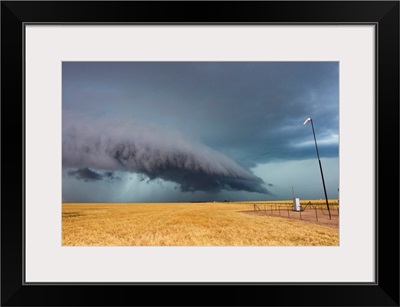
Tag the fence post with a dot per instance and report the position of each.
(316, 213)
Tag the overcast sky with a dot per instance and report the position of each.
(198, 131)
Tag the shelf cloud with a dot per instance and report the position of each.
(92, 147)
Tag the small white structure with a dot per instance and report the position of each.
(296, 204)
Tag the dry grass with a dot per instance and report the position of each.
(190, 224)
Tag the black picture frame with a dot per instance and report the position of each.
(383, 14)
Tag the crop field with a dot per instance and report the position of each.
(187, 224)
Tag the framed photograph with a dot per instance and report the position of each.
(240, 147)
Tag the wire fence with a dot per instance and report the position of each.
(309, 211)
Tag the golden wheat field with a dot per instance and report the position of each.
(185, 224)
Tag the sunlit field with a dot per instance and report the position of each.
(186, 224)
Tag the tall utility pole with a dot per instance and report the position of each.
(320, 167)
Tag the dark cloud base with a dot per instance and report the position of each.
(94, 151)
(88, 175)
(190, 181)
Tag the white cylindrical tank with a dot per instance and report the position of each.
(296, 204)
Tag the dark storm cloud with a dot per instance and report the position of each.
(87, 174)
(110, 177)
(115, 145)
(253, 111)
